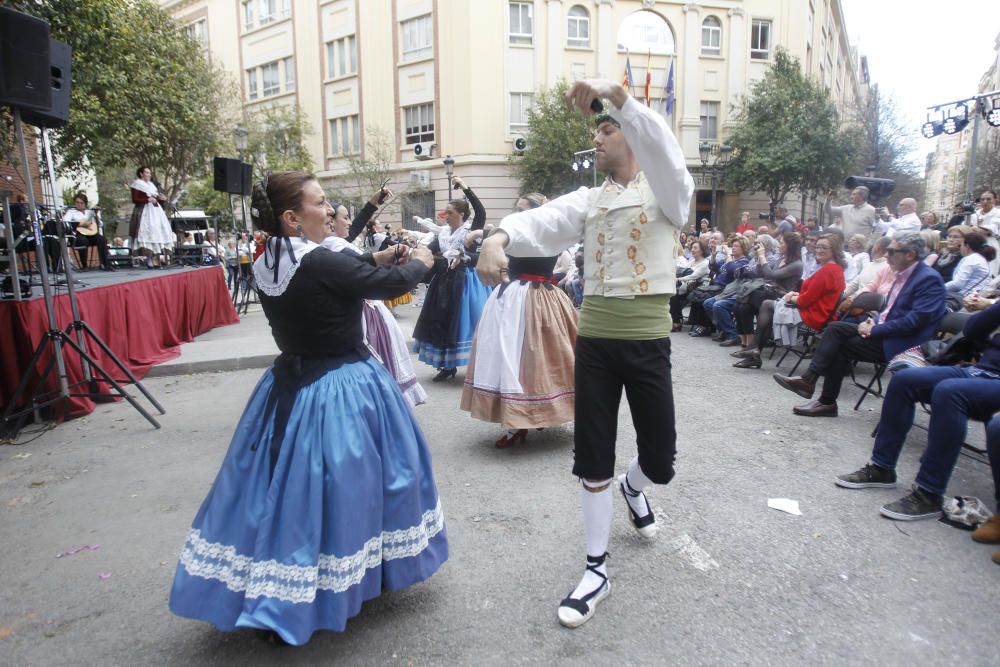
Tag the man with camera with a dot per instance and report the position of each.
(858, 217)
(914, 306)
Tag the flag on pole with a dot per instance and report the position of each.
(649, 77)
(627, 82)
(670, 89)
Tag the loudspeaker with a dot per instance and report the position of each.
(60, 81)
(24, 61)
(227, 175)
(247, 173)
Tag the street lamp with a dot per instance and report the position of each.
(240, 135)
(723, 155)
(449, 170)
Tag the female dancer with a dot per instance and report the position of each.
(381, 332)
(326, 496)
(149, 228)
(455, 297)
(521, 367)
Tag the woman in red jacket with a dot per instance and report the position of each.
(820, 293)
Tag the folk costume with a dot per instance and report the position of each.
(454, 302)
(521, 368)
(149, 227)
(630, 232)
(383, 336)
(326, 496)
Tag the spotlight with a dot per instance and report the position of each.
(586, 163)
(931, 129)
(993, 115)
(575, 166)
(954, 125)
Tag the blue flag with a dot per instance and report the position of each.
(670, 89)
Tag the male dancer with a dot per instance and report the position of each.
(630, 226)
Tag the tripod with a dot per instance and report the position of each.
(60, 341)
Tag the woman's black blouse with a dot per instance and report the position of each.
(319, 314)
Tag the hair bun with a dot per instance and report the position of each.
(260, 209)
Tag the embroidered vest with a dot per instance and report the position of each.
(629, 243)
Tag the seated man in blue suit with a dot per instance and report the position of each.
(913, 308)
(955, 394)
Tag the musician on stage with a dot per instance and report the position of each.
(87, 231)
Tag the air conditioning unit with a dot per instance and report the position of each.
(420, 178)
(422, 151)
(520, 144)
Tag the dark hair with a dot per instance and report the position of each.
(793, 247)
(976, 242)
(273, 196)
(83, 196)
(837, 247)
(138, 172)
(462, 207)
(704, 247)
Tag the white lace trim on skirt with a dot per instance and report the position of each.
(299, 583)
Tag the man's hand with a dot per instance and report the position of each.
(421, 255)
(457, 182)
(385, 257)
(584, 92)
(492, 265)
(865, 328)
(974, 302)
(845, 305)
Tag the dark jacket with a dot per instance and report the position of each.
(980, 327)
(915, 314)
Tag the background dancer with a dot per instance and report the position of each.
(455, 297)
(630, 225)
(521, 367)
(326, 496)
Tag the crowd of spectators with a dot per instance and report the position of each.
(869, 288)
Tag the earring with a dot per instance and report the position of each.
(298, 228)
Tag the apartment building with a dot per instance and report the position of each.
(457, 77)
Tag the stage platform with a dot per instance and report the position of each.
(143, 315)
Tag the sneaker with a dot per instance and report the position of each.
(919, 504)
(869, 477)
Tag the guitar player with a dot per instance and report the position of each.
(88, 233)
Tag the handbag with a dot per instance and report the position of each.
(747, 288)
(699, 294)
(956, 350)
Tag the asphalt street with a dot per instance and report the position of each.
(726, 581)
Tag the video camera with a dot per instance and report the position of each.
(878, 188)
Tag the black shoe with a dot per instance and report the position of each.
(745, 353)
(719, 337)
(444, 374)
(730, 342)
(574, 612)
(645, 526)
(869, 477)
(919, 504)
(753, 361)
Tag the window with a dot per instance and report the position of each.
(578, 27)
(345, 135)
(286, 8)
(760, 39)
(269, 73)
(520, 23)
(341, 57)
(267, 11)
(289, 74)
(419, 123)
(645, 32)
(252, 84)
(418, 38)
(420, 204)
(709, 121)
(520, 105)
(197, 31)
(248, 14)
(711, 37)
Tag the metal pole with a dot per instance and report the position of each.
(715, 223)
(43, 268)
(15, 278)
(971, 176)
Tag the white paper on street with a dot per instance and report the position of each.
(785, 505)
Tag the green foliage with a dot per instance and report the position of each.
(143, 93)
(554, 134)
(885, 145)
(788, 136)
(366, 172)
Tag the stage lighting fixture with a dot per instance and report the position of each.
(586, 163)
(993, 115)
(957, 121)
(575, 166)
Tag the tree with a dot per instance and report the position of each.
(554, 134)
(143, 93)
(885, 145)
(366, 172)
(788, 136)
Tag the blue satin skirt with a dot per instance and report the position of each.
(350, 509)
(458, 309)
